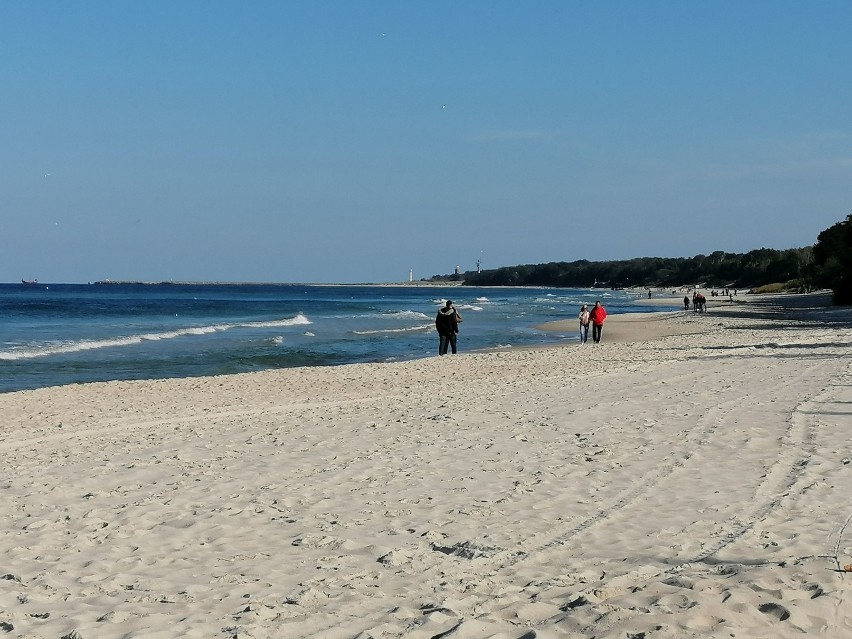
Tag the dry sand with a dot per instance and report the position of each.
(693, 485)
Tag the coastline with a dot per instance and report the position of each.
(644, 326)
(625, 328)
(694, 482)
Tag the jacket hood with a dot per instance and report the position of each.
(446, 311)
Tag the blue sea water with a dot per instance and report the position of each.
(70, 333)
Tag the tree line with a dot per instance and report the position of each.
(827, 264)
(832, 263)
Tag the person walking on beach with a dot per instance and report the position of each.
(584, 324)
(597, 316)
(447, 322)
(686, 302)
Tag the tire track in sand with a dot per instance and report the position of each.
(719, 417)
(796, 453)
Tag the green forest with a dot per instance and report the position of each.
(826, 264)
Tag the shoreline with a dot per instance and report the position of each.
(626, 328)
(645, 326)
(621, 327)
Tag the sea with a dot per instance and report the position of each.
(57, 334)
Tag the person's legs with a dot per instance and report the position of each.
(452, 338)
(442, 344)
(584, 333)
(596, 332)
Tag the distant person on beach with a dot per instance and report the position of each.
(447, 322)
(649, 293)
(686, 302)
(584, 324)
(597, 316)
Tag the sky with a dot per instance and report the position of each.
(341, 141)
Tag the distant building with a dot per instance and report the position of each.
(458, 270)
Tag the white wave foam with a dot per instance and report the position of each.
(406, 314)
(299, 320)
(550, 299)
(461, 306)
(72, 347)
(385, 315)
(409, 329)
(94, 344)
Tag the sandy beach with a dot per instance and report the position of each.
(688, 477)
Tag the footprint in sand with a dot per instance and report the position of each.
(774, 610)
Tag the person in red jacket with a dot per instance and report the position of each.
(597, 316)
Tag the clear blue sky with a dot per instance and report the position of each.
(352, 141)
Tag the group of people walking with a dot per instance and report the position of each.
(699, 302)
(594, 318)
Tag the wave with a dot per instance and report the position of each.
(299, 320)
(383, 315)
(406, 314)
(132, 340)
(464, 306)
(409, 329)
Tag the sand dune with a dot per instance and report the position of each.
(696, 485)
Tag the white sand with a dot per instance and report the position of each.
(691, 486)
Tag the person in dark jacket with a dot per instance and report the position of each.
(447, 322)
